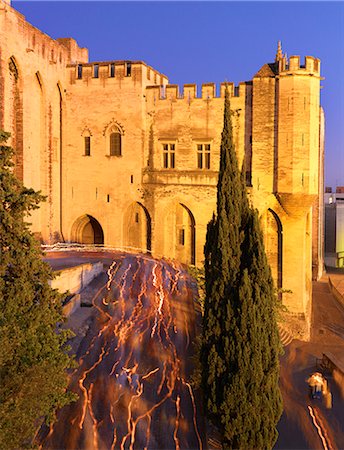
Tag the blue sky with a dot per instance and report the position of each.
(199, 42)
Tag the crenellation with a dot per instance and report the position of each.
(294, 63)
(310, 66)
(208, 90)
(172, 92)
(189, 91)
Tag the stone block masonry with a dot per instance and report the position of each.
(131, 161)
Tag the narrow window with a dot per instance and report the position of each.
(182, 236)
(96, 71)
(43, 50)
(148, 74)
(169, 156)
(207, 156)
(112, 70)
(165, 146)
(137, 217)
(128, 69)
(172, 156)
(203, 156)
(131, 179)
(200, 156)
(115, 144)
(108, 198)
(87, 145)
(79, 71)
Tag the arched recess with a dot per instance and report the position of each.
(114, 133)
(87, 230)
(137, 228)
(60, 150)
(274, 247)
(15, 104)
(34, 155)
(185, 235)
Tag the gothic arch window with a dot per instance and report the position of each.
(113, 133)
(115, 143)
(13, 68)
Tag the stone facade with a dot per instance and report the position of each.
(334, 227)
(129, 161)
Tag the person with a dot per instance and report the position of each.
(315, 383)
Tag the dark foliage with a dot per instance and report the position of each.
(33, 362)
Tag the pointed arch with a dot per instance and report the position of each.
(185, 234)
(15, 105)
(137, 228)
(274, 248)
(13, 67)
(87, 230)
(113, 133)
(60, 150)
(39, 80)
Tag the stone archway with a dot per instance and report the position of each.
(137, 228)
(185, 235)
(274, 248)
(87, 230)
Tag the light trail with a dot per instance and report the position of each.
(131, 379)
(175, 437)
(321, 429)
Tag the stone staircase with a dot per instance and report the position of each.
(285, 336)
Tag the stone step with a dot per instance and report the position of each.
(285, 336)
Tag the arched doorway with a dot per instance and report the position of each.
(274, 247)
(137, 229)
(185, 235)
(87, 230)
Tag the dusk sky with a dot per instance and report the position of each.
(199, 42)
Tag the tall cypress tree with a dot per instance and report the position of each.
(33, 362)
(240, 343)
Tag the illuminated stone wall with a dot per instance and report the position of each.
(130, 161)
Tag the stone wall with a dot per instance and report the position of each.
(156, 190)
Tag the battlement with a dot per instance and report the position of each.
(189, 91)
(311, 65)
(59, 51)
(119, 69)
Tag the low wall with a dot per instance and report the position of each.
(75, 279)
(335, 292)
(72, 304)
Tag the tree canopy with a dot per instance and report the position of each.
(33, 360)
(240, 341)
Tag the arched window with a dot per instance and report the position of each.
(86, 134)
(115, 144)
(113, 134)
